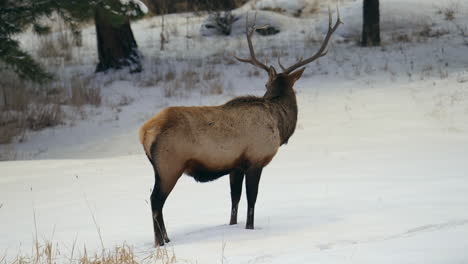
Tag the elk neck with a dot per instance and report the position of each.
(283, 107)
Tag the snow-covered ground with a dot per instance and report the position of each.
(376, 171)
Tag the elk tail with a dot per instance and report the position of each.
(147, 139)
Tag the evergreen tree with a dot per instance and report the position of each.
(15, 16)
(18, 15)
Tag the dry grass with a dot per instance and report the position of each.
(57, 47)
(43, 116)
(169, 76)
(190, 79)
(23, 107)
(50, 253)
(215, 87)
(172, 88)
(449, 11)
(422, 34)
(84, 91)
(253, 73)
(311, 8)
(38, 116)
(206, 81)
(14, 94)
(210, 74)
(26, 106)
(152, 80)
(9, 129)
(400, 37)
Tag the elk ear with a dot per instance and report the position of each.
(271, 72)
(296, 75)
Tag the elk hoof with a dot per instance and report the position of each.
(158, 240)
(249, 226)
(158, 244)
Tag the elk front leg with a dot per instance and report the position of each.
(236, 178)
(252, 178)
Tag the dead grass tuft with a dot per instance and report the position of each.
(55, 48)
(14, 94)
(169, 76)
(43, 116)
(26, 106)
(23, 107)
(172, 88)
(449, 10)
(215, 87)
(50, 253)
(422, 34)
(9, 129)
(84, 91)
(401, 37)
(210, 74)
(58, 45)
(254, 73)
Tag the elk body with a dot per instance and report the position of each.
(238, 138)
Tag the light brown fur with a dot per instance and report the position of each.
(150, 129)
(215, 137)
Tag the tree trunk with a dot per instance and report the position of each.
(371, 23)
(117, 47)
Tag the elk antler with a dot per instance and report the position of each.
(322, 50)
(253, 60)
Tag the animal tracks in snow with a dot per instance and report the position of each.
(430, 228)
(408, 233)
(337, 243)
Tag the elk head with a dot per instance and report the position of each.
(281, 83)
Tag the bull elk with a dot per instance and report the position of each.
(238, 138)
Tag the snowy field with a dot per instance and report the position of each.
(376, 172)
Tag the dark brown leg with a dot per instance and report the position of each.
(236, 178)
(163, 227)
(157, 203)
(252, 178)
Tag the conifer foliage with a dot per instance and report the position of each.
(19, 15)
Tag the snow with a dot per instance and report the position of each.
(291, 6)
(376, 171)
(143, 8)
(261, 18)
(397, 15)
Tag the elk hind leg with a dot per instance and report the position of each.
(162, 189)
(158, 198)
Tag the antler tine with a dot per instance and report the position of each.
(279, 63)
(323, 48)
(253, 60)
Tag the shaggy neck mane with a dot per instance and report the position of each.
(283, 108)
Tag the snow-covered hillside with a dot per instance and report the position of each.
(376, 171)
